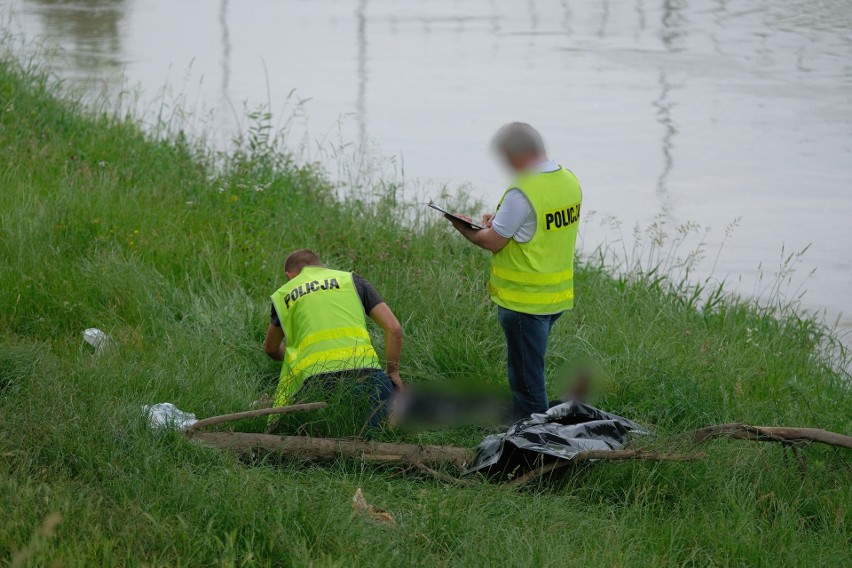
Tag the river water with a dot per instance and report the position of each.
(669, 111)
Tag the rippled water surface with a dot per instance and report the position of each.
(678, 111)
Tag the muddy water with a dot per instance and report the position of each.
(708, 112)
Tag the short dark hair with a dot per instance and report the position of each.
(298, 259)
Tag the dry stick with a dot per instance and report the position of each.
(771, 434)
(306, 447)
(443, 476)
(603, 455)
(798, 455)
(253, 413)
(538, 472)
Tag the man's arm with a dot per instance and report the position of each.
(382, 315)
(273, 344)
(487, 238)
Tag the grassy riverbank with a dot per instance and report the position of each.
(101, 226)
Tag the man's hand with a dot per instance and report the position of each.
(382, 315)
(458, 219)
(273, 343)
(487, 238)
(467, 218)
(398, 385)
(486, 219)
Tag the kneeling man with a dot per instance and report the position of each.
(318, 329)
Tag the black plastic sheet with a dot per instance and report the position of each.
(560, 434)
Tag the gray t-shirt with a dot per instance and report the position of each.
(370, 298)
(516, 217)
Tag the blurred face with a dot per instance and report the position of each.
(518, 163)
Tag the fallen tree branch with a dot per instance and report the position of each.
(422, 456)
(771, 434)
(253, 413)
(603, 455)
(305, 447)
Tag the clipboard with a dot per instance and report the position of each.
(470, 224)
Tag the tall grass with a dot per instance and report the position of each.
(174, 250)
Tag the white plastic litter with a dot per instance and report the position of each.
(97, 339)
(167, 415)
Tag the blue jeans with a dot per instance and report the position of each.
(526, 342)
(379, 389)
(371, 385)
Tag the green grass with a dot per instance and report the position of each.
(174, 251)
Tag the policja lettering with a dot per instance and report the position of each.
(308, 287)
(562, 218)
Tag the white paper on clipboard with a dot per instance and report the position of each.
(453, 215)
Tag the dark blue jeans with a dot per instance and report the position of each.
(526, 342)
(372, 386)
(379, 390)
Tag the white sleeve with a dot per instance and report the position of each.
(512, 215)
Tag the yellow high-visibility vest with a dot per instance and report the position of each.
(537, 277)
(326, 330)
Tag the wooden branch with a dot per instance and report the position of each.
(305, 447)
(538, 472)
(251, 414)
(771, 434)
(636, 455)
(603, 455)
(422, 456)
(443, 476)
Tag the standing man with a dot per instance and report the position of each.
(532, 236)
(319, 331)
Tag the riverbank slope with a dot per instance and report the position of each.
(175, 254)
